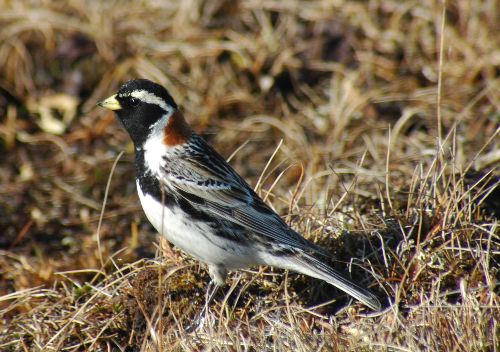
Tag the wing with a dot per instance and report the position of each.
(202, 177)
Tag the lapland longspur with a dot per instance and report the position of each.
(200, 204)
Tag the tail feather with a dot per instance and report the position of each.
(308, 265)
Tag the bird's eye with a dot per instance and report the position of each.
(134, 101)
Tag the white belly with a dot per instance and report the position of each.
(189, 236)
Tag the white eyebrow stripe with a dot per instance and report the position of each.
(150, 98)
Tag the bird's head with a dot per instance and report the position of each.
(141, 105)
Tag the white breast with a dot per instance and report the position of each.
(154, 149)
(195, 237)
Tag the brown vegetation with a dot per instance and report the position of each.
(372, 126)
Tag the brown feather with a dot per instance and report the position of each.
(177, 130)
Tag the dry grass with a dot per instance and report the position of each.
(388, 113)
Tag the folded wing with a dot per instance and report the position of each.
(203, 177)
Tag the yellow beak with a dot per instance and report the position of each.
(110, 103)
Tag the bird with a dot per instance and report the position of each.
(200, 204)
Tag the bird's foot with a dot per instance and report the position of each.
(205, 317)
(169, 252)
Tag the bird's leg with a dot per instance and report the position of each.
(217, 278)
(168, 251)
(209, 296)
(201, 318)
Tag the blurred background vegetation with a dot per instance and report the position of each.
(378, 122)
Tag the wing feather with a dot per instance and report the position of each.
(201, 176)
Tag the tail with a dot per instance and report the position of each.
(311, 266)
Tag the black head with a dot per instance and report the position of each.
(139, 104)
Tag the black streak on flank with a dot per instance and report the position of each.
(151, 185)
